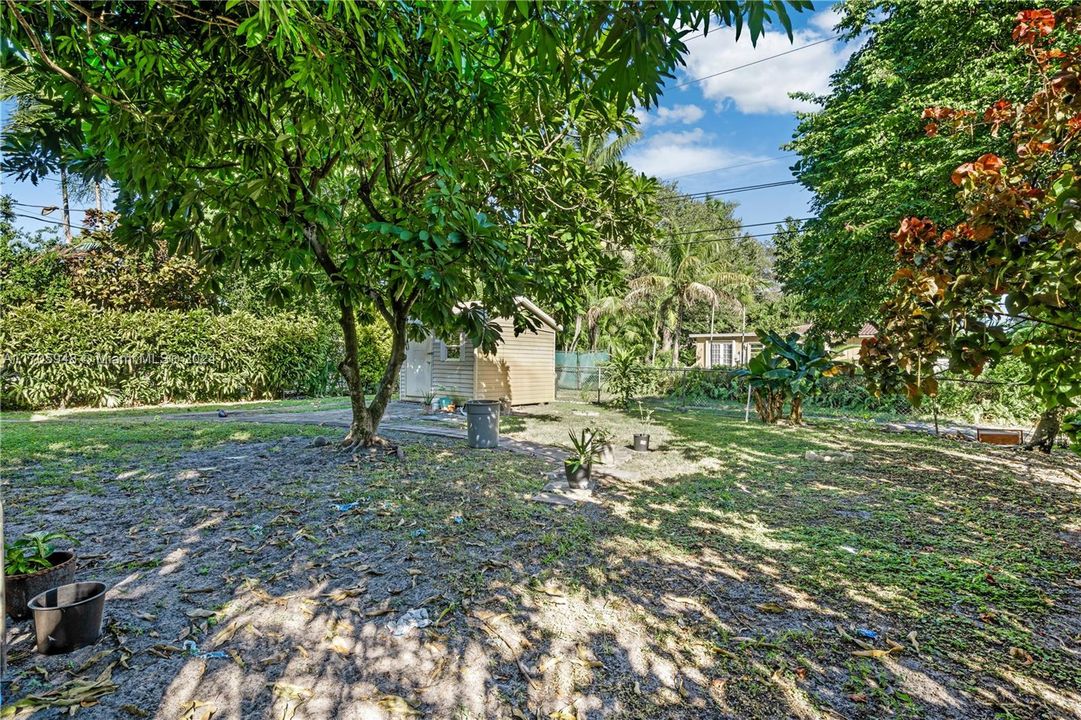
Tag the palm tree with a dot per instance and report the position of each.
(41, 138)
(684, 275)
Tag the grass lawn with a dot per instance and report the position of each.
(721, 575)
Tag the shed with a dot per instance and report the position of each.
(522, 369)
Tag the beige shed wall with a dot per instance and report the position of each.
(523, 368)
(453, 376)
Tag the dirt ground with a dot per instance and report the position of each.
(254, 575)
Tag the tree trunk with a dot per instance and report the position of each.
(577, 332)
(64, 198)
(366, 418)
(769, 405)
(361, 428)
(97, 194)
(1043, 438)
(795, 415)
(676, 333)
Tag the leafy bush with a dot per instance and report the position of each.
(697, 385)
(74, 355)
(1011, 401)
(850, 392)
(625, 377)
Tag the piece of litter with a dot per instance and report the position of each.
(190, 648)
(865, 633)
(458, 519)
(346, 507)
(408, 621)
(848, 549)
(419, 532)
(829, 457)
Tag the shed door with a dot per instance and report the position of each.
(418, 368)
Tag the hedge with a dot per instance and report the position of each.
(72, 355)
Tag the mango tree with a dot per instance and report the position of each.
(406, 156)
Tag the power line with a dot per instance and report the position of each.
(729, 167)
(755, 62)
(713, 240)
(740, 226)
(61, 223)
(53, 207)
(733, 190)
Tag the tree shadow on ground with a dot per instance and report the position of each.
(723, 577)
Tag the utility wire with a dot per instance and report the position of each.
(54, 207)
(741, 226)
(728, 167)
(733, 190)
(755, 62)
(711, 240)
(61, 223)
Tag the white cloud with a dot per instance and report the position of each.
(673, 154)
(765, 87)
(825, 21)
(677, 114)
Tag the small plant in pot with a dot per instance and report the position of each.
(602, 446)
(33, 565)
(641, 440)
(579, 465)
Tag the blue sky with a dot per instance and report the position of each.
(740, 117)
(700, 128)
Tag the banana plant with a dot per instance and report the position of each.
(786, 371)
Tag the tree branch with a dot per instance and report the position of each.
(32, 36)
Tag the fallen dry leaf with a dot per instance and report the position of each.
(200, 614)
(1021, 655)
(396, 705)
(771, 607)
(197, 710)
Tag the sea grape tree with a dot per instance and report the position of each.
(1003, 278)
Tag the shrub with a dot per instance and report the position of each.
(625, 377)
(999, 395)
(697, 385)
(74, 355)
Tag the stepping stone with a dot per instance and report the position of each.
(557, 492)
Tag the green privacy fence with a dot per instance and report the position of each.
(579, 371)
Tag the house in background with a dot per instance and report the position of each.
(713, 350)
(735, 349)
(522, 369)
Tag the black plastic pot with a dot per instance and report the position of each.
(577, 475)
(641, 442)
(68, 617)
(18, 589)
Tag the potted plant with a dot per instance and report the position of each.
(602, 446)
(579, 465)
(31, 566)
(641, 440)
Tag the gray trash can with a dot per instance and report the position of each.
(482, 422)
